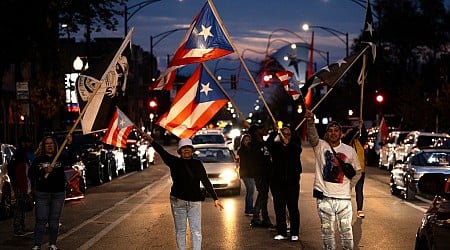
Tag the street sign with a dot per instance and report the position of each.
(22, 91)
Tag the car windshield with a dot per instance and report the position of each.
(426, 141)
(204, 139)
(431, 159)
(208, 155)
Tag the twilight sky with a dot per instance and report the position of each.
(250, 23)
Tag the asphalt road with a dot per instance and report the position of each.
(133, 212)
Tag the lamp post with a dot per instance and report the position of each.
(161, 36)
(137, 7)
(332, 31)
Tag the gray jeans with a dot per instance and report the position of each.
(183, 211)
(333, 210)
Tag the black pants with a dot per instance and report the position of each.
(286, 194)
(262, 186)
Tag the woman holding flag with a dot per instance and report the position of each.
(185, 194)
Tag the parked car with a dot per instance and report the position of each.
(387, 157)
(221, 166)
(136, 152)
(75, 180)
(417, 139)
(405, 175)
(434, 230)
(6, 193)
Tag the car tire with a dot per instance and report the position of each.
(393, 188)
(5, 203)
(407, 193)
(107, 171)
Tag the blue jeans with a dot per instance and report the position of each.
(250, 190)
(183, 211)
(359, 192)
(48, 210)
(331, 210)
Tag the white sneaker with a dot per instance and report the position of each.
(36, 248)
(279, 237)
(52, 247)
(294, 238)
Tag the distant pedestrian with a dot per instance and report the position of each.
(285, 181)
(49, 184)
(262, 163)
(357, 137)
(18, 172)
(185, 194)
(247, 172)
(332, 189)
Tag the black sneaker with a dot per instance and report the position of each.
(256, 223)
(267, 224)
(23, 233)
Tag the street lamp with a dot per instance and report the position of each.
(332, 31)
(138, 6)
(284, 30)
(153, 44)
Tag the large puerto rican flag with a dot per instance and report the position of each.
(194, 105)
(205, 40)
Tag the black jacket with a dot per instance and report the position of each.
(186, 184)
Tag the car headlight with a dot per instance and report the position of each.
(229, 175)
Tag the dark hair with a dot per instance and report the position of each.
(24, 138)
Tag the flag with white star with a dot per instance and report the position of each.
(119, 129)
(330, 75)
(195, 104)
(368, 30)
(205, 40)
(285, 78)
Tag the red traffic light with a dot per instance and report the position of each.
(379, 98)
(152, 104)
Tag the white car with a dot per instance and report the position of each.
(387, 151)
(221, 166)
(417, 139)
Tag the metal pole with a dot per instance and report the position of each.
(346, 44)
(126, 20)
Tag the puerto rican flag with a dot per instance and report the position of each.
(195, 104)
(285, 79)
(119, 129)
(205, 40)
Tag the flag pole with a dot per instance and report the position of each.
(363, 80)
(334, 84)
(226, 94)
(219, 20)
(91, 97)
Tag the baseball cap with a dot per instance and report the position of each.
(334, 124)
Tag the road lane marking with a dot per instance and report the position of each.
(160, 186)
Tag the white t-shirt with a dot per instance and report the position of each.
(329, 176)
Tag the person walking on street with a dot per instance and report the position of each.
(246, 172)
(332, 189)
(18, 172)
(185, 194)
(49, 184)
(262, 162)
(285, 181)
(357, 137)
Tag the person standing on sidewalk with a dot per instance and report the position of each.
(285, 181)
(246, 172)
(18, 172)
(49, 184)
(332, 189)
(357, 137)
(185, 194)
(262, 163)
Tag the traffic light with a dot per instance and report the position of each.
(266, 77)
(152, 104)
(233, 82)
(379, 98)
